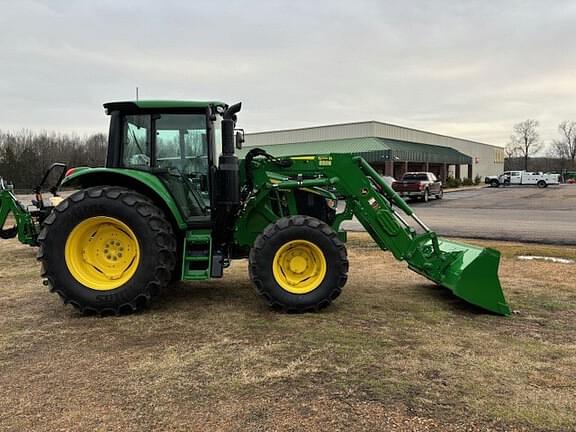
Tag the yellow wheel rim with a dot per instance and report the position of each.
(102, 253)
(299, 266)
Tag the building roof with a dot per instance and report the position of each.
(371, 149)
(361, 129)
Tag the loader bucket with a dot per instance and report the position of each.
(471, 273)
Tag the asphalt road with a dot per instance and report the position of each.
(518, 213)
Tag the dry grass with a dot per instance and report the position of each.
(393, 353)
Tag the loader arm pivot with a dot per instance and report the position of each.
(470, 272)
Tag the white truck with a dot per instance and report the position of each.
(508, 178)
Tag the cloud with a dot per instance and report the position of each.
(470, 69)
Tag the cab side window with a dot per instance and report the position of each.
(136, 137)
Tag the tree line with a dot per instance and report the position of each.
(540, 164)
(525, 142)
(25, 155)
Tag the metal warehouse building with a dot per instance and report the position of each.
(391, 149)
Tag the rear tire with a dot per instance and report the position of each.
(426, 196)
(440, 194)
(298, 264)
(541, 184)
(77, 264)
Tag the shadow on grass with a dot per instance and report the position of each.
(207, 293)
(443, 295)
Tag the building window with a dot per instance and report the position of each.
(499, 156)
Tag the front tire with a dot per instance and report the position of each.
(494, 183)
(298, 264)
(107, 250)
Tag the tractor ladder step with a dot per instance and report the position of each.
(197, 255)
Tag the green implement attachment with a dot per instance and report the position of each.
(25, 224)
(13, 212)
(470, 272)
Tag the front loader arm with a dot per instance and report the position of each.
(356, 183)
(470, 272)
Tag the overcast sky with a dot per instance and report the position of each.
(466, 68)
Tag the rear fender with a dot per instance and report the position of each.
(143, 182)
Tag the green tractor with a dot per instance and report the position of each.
(174, 202)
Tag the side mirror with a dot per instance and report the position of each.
(239, 138)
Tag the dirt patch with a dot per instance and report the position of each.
(392, 353)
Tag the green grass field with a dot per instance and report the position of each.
(392, 353)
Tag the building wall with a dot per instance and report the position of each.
(487, 159)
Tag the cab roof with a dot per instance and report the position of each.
(160, 104)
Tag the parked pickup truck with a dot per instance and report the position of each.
(419, 185)
(508, 178)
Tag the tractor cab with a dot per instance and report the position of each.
(178, 141)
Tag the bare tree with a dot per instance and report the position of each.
(511, 150)
(565, 148)
(526, 139)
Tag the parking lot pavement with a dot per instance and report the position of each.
(514, 213)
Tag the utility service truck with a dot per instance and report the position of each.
(509, 178)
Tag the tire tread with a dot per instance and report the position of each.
(277, 227)
(164, 237)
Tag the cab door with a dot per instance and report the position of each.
(515, 177)
(181, 155)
